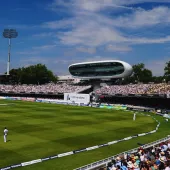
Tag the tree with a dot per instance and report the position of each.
(140, 74)
(146, 76)
(34, 74)
(137, 71)
(167, 71)
(157, 79)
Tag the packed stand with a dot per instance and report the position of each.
(47, 88)
(135, 89)
(155, 158)
(160, 89)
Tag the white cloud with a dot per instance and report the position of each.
(143, 18)
(95, 34)
(148, 40)
(90, 28)
(118, 48)
(59, 24)
(97, 5)
(45, 34)
(86, 50)
(129, 2)
(44, 47)
(91, 33)
(99, 58)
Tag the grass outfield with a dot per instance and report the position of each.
(39, 130)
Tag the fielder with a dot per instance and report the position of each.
(5, 134)
(134, 116)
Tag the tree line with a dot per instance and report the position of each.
(40, 74)
(144, 75)
(34, 74)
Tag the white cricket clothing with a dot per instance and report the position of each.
(134, 116)
(5, 132)
(5, 135)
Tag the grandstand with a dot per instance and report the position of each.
(135, 89)
(98, 80)
(67, 88)
(47, 88)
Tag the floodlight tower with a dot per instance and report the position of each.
(9, 33)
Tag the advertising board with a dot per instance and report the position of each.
(77, 98)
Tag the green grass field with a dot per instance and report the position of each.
(38, 130)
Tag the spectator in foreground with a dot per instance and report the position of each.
(154, 158)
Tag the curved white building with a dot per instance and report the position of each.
(107, 69)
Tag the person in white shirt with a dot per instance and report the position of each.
(142, 158)
(5, 134)
(165, 147)
(134, 116)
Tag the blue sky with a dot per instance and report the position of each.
(62, 32)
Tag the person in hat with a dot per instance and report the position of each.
(162, 157)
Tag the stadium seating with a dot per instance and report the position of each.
(157, 157)
(47, 88)
(135, 89)
(66, 88)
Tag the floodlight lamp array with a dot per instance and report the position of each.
(10, 33)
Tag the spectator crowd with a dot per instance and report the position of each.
(67, 88)
(47, 88)
(155, 158)
(135, 89)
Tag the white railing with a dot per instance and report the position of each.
(85, 88)
(104, 162)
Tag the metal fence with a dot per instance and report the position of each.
(104, 162)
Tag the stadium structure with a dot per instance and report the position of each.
(101, 73)
(73, 127)
(107, 69)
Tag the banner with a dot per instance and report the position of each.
(77, 98)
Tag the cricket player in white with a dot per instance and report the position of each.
(134, 116)
(5, 134)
